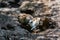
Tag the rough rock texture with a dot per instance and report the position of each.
(29, 19)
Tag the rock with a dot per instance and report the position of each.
(25, 38)
(2, 38)
(13, 4)
(43, 11)
(2, 33)
(8, 9)
(42, 38)
(19, 23)
(27, 5)
(35, 8)
(2, 4)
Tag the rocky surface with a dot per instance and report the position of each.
(29, 19)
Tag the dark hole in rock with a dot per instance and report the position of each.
(27, 11)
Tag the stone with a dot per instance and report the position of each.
(27, 5)
(2, 38)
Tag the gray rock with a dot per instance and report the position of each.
(2, 38)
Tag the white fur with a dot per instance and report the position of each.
(33, 23)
